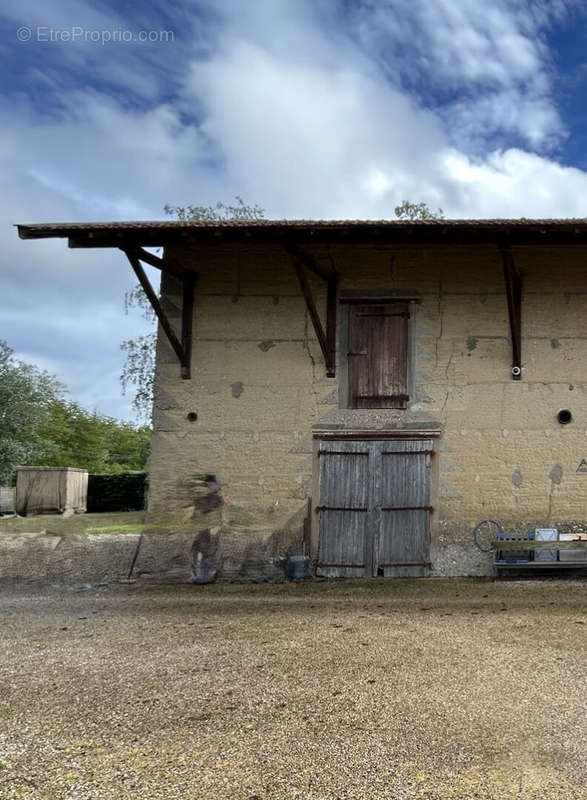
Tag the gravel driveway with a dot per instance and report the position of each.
(382, 689)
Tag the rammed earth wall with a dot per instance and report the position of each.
(259, 389)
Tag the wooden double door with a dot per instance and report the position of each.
(374, 508)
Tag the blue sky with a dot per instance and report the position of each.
(310, 108)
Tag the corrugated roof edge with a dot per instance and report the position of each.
(64, 228)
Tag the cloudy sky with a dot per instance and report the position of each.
(310, 108)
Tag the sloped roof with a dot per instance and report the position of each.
(160, 232)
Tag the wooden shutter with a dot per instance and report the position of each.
(377, 357)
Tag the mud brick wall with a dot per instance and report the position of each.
(259, 386)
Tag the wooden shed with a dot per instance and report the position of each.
(51, 490)
(7, 500)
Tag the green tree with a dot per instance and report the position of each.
(416, 211)
(138, 370)
(26, 396)
(75, 437)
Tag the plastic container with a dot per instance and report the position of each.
(297, 568)
(571, 555)
(546, 535)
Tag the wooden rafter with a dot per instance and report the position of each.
(332, 287)
(182, 348)
(165, 265)
(308, 261)
(187, 317)
(326, 340)
(513, 288)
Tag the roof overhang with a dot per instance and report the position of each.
(294, 236)
(445, 231)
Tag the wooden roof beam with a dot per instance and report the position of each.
(307, 260)
(159, 263)
(327, 341)
(182, 348)
(513, 288)
(447, 236)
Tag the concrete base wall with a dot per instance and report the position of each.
(259, 387)
(92, 558)
(240, 550)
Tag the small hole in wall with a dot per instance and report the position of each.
(564, 416)
(192, 416)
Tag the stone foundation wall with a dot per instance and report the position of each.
(83, 557)
(259, 387)
(241, 547)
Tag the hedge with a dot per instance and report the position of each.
(125, 491)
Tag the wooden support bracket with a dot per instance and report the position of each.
(183, 348)
(159, 263)
(187, 317)
(326, 340)
(513, 288)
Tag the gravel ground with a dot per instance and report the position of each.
(382, 689)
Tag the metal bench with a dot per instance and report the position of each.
(514, 551)
(532, 547)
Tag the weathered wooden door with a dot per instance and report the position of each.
(374, 508)
(344, 508)
(403, 467)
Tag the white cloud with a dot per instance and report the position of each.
(306, 141)
(492, 51)
(501, 115)
(517, 183)
(297, 109)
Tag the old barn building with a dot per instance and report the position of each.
(366, 390)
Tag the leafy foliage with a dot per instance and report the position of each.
(138, 370)
(39, 427)
(216, 213)
(75, 437)
(124, 491)
(417, 211)
(26, 396)
(136, 298)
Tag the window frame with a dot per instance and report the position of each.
(346, 302)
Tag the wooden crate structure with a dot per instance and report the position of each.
(51, 490)
(7, 500)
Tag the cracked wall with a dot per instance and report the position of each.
(259, 386)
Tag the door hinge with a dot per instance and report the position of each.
(407, 508)
(338, 508)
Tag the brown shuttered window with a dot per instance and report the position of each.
(377, 358)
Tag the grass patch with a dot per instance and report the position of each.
(123, 521)
(115, 529)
